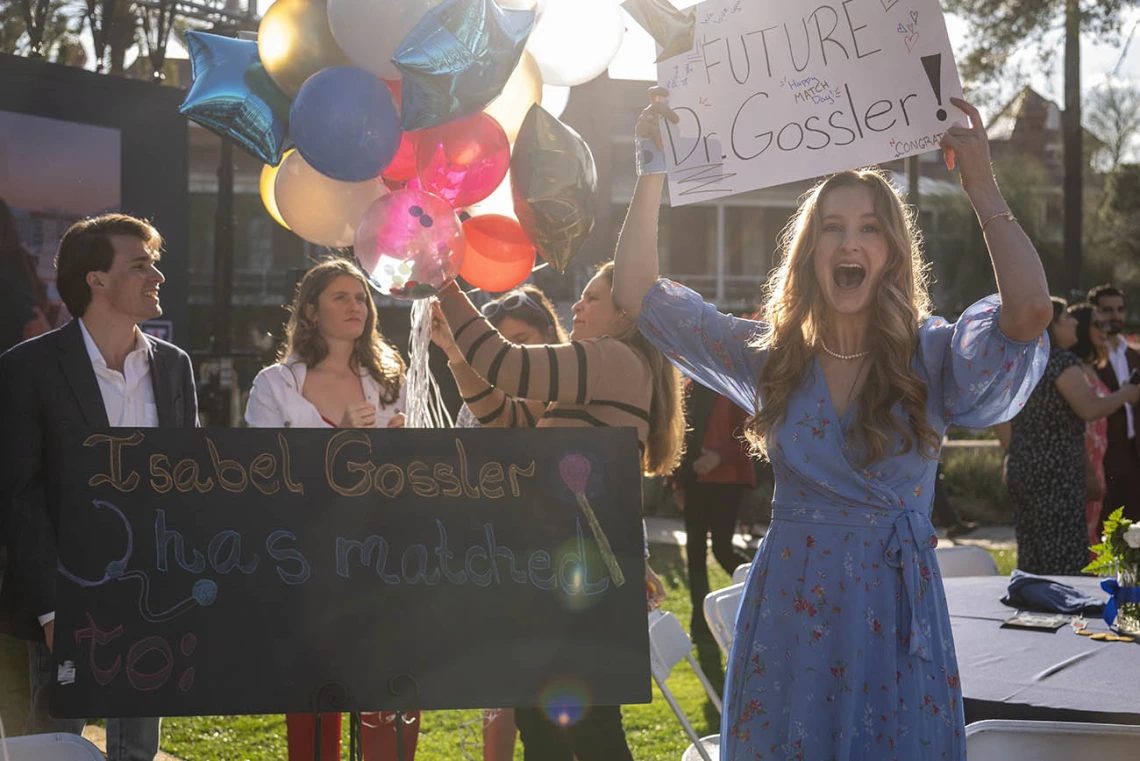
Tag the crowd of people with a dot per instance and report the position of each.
(1072, 456)
(846, 384)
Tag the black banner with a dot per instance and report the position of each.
(253, 571)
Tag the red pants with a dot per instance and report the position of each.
(377, 732)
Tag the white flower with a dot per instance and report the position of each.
(1132, 537)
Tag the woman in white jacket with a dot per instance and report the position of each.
(336, 370)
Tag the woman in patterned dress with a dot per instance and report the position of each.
(1092, 349)
(1045, 472)
(843, 649)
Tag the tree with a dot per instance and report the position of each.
(56, 30)
(957, 238)
(1116, 255)
(1113, 115)
(1002, 28)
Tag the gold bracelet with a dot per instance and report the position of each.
(1007, 214)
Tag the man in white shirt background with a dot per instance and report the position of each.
(99, 370)
(1122, 459)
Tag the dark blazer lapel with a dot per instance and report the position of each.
(160, 382)
(80, 375)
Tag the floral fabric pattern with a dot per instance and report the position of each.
(843, 649)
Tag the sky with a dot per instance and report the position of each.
(635, 58)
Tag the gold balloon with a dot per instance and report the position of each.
(319, 209)
(523, 90)
(268, 196)
(295, 42)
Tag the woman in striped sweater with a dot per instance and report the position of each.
(524, 317)
(607, 375)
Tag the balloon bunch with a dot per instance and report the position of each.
(380, 122)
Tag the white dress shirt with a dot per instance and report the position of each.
(276, 401)
(1119, 362)
(128, 396)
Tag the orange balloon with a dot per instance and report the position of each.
(499, 255)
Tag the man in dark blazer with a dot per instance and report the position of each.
(1122, 458)
(99, 370)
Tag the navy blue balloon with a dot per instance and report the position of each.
(458, 59)
(233, 96)
(345, 124)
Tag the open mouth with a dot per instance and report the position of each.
(848, 276)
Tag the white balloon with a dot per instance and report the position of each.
(554, 99)
(499, 202)
(320, 209)
(370, 31)
(575, 40)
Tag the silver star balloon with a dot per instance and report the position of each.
(672, 29)
(457, 60)
(554, 186)
(233, 96)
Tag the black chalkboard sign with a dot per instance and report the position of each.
(246, 571)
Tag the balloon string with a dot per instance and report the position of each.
(425, 407)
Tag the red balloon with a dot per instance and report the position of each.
(464, 161)
(499, 255)
(403, 166)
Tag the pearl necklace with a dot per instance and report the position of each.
(844, 357)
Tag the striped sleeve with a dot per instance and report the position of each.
(565, 373)
(494, 409)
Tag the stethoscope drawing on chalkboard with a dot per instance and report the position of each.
(204, 592)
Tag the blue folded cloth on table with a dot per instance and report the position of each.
(1031, 592)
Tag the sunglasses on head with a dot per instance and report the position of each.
(509, 303)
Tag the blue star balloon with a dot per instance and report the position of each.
(457, 60)
(234, 97)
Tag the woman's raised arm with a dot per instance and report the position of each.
(1025, 307)
(635, 261)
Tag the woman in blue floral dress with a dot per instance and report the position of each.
(843, 648)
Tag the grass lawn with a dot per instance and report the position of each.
(653, 731)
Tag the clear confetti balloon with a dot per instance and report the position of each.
(411, 243)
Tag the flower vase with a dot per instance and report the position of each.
(1128, 613)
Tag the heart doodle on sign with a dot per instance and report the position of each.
(902, 29)
(888, 4)
(914, 16)
(911, 40)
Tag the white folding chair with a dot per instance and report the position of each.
(58, 746)
(1002, 740)
(709, 747)
(741, 573)
(668, 646)
(965, 560)
(721, 607)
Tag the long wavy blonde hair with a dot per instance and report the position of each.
(795, 312)
(666, 440)
(371, 352)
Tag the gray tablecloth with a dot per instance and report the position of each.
(1026, 674)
